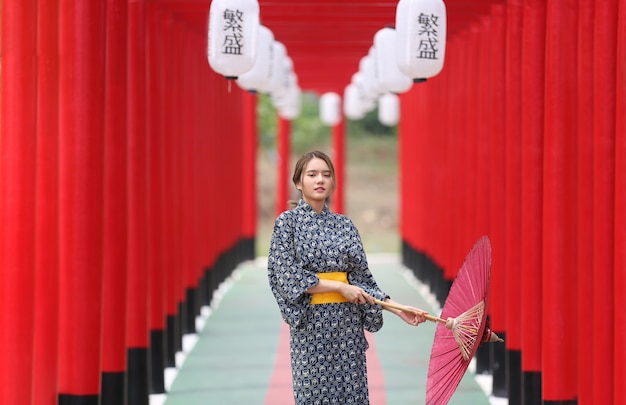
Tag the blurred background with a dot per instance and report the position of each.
(371, 178)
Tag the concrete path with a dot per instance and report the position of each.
(240, 356)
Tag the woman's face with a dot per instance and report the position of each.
(316, 183)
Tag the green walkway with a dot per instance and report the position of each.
(233, 356)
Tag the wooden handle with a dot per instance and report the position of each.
(406, 309)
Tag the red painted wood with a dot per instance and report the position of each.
(533, 54)
(138, 275)
(172, 278)
(559, 204)
(46, 286)
(187, 156)
(407, 150)
(18, 164)
(115, 211)
(474, 147)
(478, 196)
(495, 74)
(156, 170)
(513, 173)
(339, 162)
(619, 284)
(585, 199)
(249, 160)
(305, 27)
(604, 57)
(283, 164)
(81, 182)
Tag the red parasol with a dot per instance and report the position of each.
(465, 310)
(461, 327)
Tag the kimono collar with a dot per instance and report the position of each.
(305, 207)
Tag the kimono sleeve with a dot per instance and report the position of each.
(288, 280)
(361, 276)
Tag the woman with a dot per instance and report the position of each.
(319, 275)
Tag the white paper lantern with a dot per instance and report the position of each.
(420, 37)
(352, 106)
(279, 90)
(279, 73)
(330, 109)
(370, 87)
(232, 36)
(389, 109)
(292, 105)
(390, 77)
(258, 78)
(367, 102)
(281, 96)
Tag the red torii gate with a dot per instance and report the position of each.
(127, 179)
(119, 197)
(521, 138)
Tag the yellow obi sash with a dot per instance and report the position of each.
(330, 297)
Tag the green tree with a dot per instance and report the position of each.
(307, 131)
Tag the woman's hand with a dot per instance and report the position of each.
(413, 318)
(356, 295)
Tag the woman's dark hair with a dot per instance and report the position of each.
(301, 165)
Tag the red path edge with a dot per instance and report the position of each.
(375, 373)
(279, 390)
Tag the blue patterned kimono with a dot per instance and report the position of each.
(327, 340)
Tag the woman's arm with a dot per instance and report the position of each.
(353, 293)
(287, 279)
(412, 318)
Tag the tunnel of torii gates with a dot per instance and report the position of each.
(127, 194)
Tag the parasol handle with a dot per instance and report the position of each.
(431, 318)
